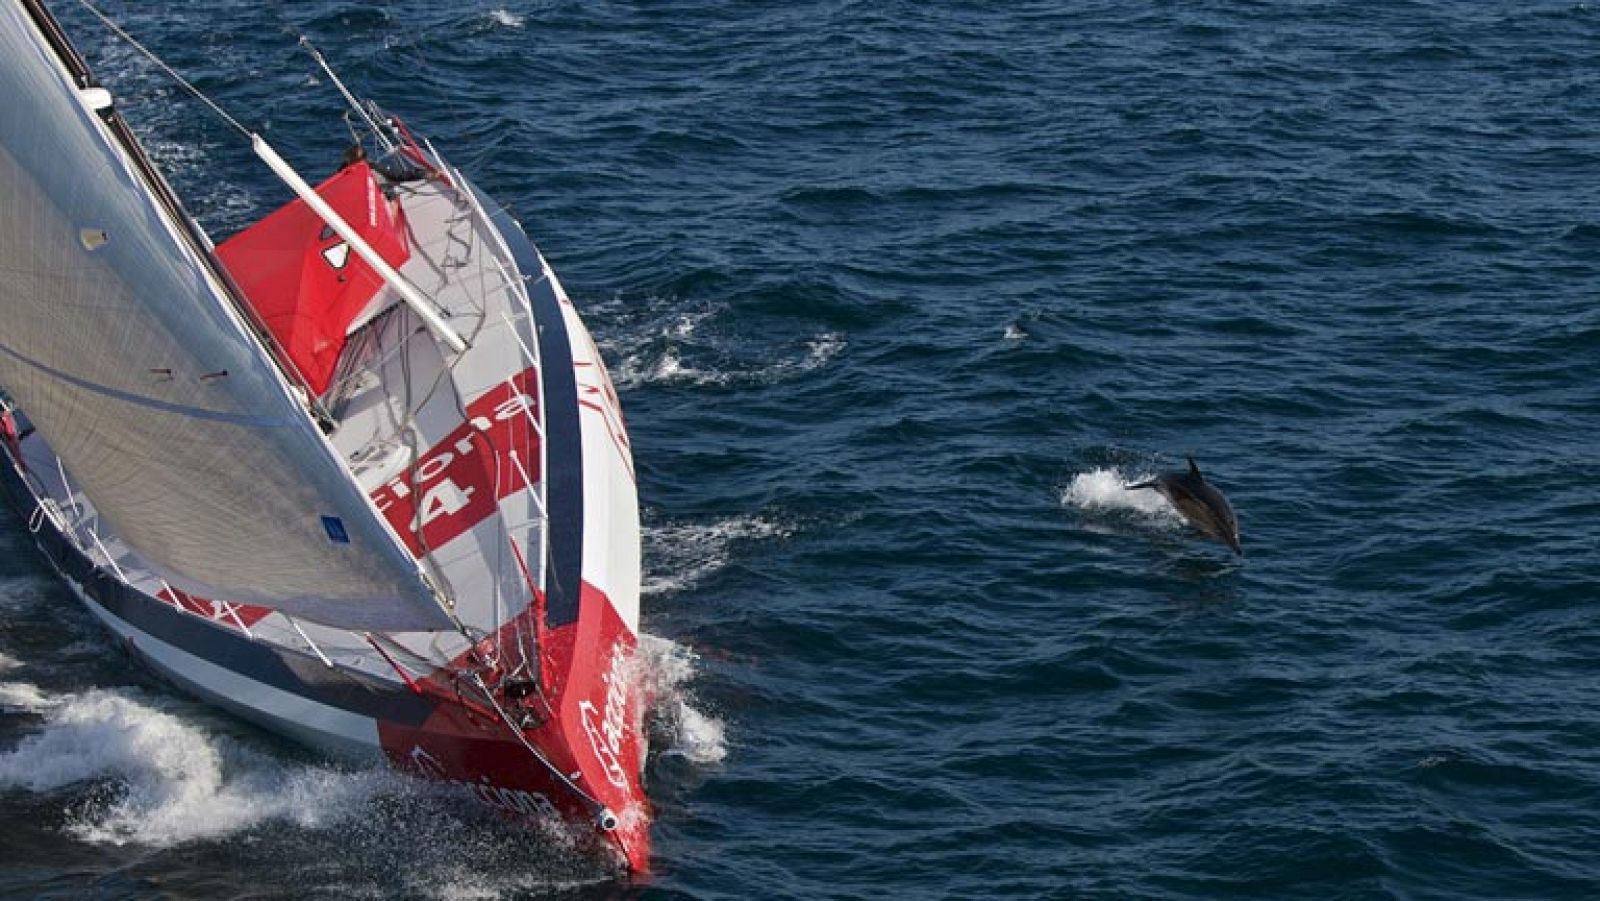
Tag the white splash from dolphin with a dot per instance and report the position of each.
(1106, 490)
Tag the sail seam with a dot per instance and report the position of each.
(260, 422)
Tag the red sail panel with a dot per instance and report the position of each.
(304, 281)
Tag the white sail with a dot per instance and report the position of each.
(120, 342)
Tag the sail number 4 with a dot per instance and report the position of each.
(457, 483)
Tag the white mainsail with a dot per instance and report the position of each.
(122, 344)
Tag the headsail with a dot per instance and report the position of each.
(121, 342)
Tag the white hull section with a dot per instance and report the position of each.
(331, 730)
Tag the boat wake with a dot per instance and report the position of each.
(144, 770)
(667, 366)
(681, 555)
(157, 779)
(141, 770)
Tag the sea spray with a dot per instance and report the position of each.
(1102, 490)
(677, 724)
(170, 780)
(506, 18)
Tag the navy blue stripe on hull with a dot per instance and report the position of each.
(563, 433)
(215, 643)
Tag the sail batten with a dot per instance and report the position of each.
(260, 422)
(120, 340)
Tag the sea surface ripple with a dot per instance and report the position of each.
(898, 297)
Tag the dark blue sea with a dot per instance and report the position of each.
(898, 297)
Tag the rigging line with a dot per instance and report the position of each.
(377, 133)
(459, 121)
(117, 30)
(562, 777)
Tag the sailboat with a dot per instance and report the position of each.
(356, 474)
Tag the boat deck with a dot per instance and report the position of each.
(395, 396)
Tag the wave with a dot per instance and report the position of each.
(668, 367)
(683, 554)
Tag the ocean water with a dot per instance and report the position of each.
(898, 297)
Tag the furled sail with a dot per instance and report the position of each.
(121, 342)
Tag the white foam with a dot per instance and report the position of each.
(23, 697)
(678, 726)
(7, 663)
(1015, 332)
(644, 368)
(459, 882)
(684, 325)
(174, 781)
(1107, 489)
(505, 18)
(176, 154)
(822, 349)
(682, 554)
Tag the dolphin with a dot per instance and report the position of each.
(1199, 502)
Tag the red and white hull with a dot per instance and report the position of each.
(499, 476)
(428, 731)
(568, 747)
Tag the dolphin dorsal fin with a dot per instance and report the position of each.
(1194, 470)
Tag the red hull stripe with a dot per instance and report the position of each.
(241, 615)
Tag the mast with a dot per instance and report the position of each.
(134, 355)
(197, 240)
